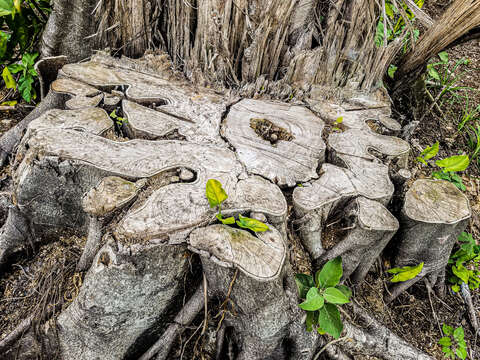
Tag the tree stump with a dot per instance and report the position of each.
(434, 214)
(75, 169)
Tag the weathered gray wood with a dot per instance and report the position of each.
(261, 257)
(434, 213)
(125, 292)
(110, 195)
(83, 95)
(285, 162)
(373, 227)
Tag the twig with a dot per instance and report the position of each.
(330, 343)
(162, 346)
(205, 296)
(429, 292)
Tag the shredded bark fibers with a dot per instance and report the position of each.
(268, 131)
(40, 287)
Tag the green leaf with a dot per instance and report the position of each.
(215, 193)
(228, 221)
(335, 296)
(421, 160)
(339, 120)
(447, 329)
(15, 68)
(391, 71)
(9, 103)
(448, 352)
(329, 320)
(6, 7)
(345, 290)
(314, 300)
(445, 341)
(29, 59)
(4, 37)
(430, 151)
(310, 321)
(454, 163)
(252, 224)
(458, 334)
(113, 114)
(304, 283)
(330, 274)
(455, 288)
(405, 273)
(8, 78)
(443, 56)
(434, 73)
(461, 272)
(25, 87)
(461, 353)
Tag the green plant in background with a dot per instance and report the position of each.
(453, 343)
(322, 296)
(22, 23)
(463, 264)
(396, 26)
(448, 166)
(405, 273)
(27, 77)
(216, 195)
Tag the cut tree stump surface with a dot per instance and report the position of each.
(68, 173)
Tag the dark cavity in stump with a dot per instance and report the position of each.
(268, 131)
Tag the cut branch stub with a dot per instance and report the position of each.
(278, 141)
(435, 212)
(111, 194)
(83, 95)
(260, 257)
(373, 228)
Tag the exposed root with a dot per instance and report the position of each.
(184, 318)
(467, 297)
(93, 244)
(374, 339)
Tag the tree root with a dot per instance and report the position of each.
(184, 318)
(93, 244)
(15, 334)
(467, 297)
(374, 339)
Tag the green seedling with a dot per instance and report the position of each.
(118, 119)
(216, 195)
(27, 77)
(322, 295)
(453, 343)
(463, 263)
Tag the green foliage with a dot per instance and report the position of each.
(428, 153)
(405, 273)
(453, 343)
(21, 26)
(252, 224)
(216, 195)
(463, 263)
(118, 119)
(448, 166)
(27, 76)
(337, 123)
(322, 296)
(396, 26)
